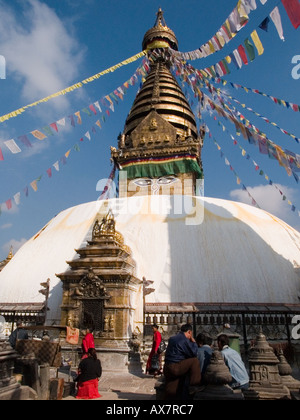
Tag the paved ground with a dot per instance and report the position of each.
(125, 386)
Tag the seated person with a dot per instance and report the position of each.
(182, 367)
(204, 351)
(89, 373)
(234, 363)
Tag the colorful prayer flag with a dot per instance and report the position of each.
(38, 134)
(257, 42)
(292, 8)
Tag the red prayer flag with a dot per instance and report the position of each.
(243, 54)
(222, 67)
(292, 8)
(49, 172)
(54, 126)
(1, 155)
(8, 204)
(92, 108)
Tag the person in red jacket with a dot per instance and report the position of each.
(150, 369)
(87, 343)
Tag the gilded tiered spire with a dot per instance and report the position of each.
(7, 260)
(160, 137)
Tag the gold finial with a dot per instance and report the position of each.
(160, 21)
(10, 255)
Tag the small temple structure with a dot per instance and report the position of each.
(7, 259)
(209, 261)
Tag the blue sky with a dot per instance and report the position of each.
(52, 44)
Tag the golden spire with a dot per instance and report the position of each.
(160, 36)
(160, 21)
(10, 255)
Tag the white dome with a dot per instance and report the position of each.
(216, 251)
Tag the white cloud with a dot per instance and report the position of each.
(6, 226)
(13, 210)
(39, 50)
(268, 198)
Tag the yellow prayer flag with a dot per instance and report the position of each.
(38, 134)
(68, 153)
(33, 185)
(257, 42)
(211, 47)
(79, 121)
(242, 12)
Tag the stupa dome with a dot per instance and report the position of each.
(196, 250)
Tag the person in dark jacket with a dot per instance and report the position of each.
(89, 373)
(18, 334)
(182, 367)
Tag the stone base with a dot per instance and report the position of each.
(267, 393)
(135, 364)
(118, 359)
(291, 383)
(17, 392)
(205, 392)
(218, 393)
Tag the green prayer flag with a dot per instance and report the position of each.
(250, 49)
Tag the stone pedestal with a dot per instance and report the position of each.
(265, 381)
(10, 389)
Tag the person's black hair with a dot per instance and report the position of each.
(203, 339)
(92, 353)
(155, 326)
(223, 339)
(186, 328)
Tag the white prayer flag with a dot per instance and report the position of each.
(12, 146)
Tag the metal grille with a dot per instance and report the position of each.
(92, 314)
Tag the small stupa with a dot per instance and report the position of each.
(216, 381)
(285, 372)
(265, 381)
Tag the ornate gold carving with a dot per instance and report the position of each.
(153, 124)
(107, 226)
(90, 287)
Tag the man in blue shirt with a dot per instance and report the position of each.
(204, 351)
(182, 367)
(234, 362)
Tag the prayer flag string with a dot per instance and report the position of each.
(50, 129)
(8, 204)
(258, 169)
(236, 21)
(289, 160)
(73, 87)
(227, 163)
